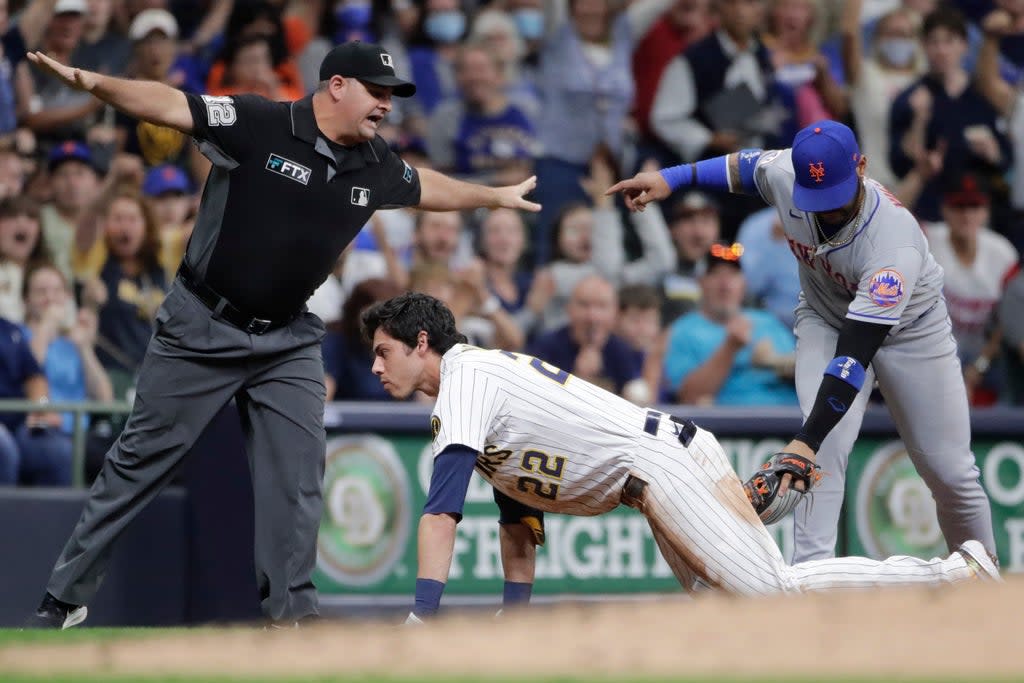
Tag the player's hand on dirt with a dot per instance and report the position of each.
(642, 189)
(738, 330)
(512, 196)
(73, 77)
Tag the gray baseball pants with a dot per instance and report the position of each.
(194, 365)
(920, 378)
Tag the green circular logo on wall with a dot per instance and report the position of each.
(895, 509)
(366, 510)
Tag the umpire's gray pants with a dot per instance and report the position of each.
(194, 365)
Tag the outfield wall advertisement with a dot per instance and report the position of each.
(375, 487)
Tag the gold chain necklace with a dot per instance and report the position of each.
(850, 230)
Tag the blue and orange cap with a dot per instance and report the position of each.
(825, 158)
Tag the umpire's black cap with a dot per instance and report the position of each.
(365, 62)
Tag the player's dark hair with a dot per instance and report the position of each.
(404, 316)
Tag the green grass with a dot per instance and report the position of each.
(376, 679)
(13, 636)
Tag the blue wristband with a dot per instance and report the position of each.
(428, 597)
(847, 369)
(678, 176)
(516, 593)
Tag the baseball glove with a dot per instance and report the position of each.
(763, 488)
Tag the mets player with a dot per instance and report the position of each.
(557, 443)
(870, 308)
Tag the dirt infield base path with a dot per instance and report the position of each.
(969, 631)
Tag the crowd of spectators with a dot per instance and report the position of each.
(690, 302)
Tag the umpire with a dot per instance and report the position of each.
(291, 185)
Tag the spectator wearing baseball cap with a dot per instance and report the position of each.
(709, 355)
(694, 226)
(76, 185)
(104, 46)
(977, 264)
(156, 57)
(51, 109)
(168, 193)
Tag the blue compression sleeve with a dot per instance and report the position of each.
(516, 593)
(448, 484)
(713, 174)
(428, 597)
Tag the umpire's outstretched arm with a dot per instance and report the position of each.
(147, 100)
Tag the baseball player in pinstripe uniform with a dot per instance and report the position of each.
(871, 307)
(549, 440)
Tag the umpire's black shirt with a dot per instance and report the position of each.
(281, 202)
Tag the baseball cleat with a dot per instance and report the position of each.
(978, 561)
(52, 613)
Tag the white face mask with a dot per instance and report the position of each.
(898, 52)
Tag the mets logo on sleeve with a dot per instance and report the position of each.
(886, 288)
(435, 426)
(289, 169)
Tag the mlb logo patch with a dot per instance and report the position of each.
(360, 196)
(886, 288)
(289, 169)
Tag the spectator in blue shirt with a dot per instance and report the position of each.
(32, 450)
(482, 135)
(67, 354)
(709, 356)
(773, 278)
(587, 347)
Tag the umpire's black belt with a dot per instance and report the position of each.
(686, 428)
(223, 309)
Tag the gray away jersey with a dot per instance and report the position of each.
(885, 274)
(544, 436)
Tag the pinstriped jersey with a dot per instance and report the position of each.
(884, 274)
(543, 436)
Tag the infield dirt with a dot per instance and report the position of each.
(973, 631)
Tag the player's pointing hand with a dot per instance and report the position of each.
(641, 189)
(73, 77)
(511, 196)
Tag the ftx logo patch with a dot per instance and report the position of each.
(289, 169)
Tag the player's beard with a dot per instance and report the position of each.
(832, 222)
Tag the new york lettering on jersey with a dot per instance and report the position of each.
(544, 436)
(885, 276)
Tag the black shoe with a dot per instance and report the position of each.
(53, 613)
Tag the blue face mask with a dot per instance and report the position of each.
(530, 22)
(445, 27)
(898, 52)
(356, 15)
